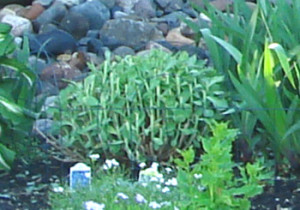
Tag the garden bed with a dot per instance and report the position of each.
(27, 187)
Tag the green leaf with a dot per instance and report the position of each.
(5, 28)
(234, 52)
(7, 157)
(19, 67)
(284, 61)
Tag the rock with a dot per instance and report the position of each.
(92, 45)
(120, 14)
(78, 60)
(155, 45)
(163, 3)
(94, 59)
(54, 42)
(6, 11)
(70, 3)
(76, 24)
(174, 5)
(37, 64)
(58, 72)
(122, 51)
(109, 3)
(130, 33)
(19, 25)
(126, 5)
(45, 3)
(193, 50)
(53, 14)
(145, 9)
(176, 38)
(94, 11)
(34, 11)
(93, 34)
(163, 27)
(42, 125)
(171, 19)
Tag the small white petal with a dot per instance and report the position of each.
(165, 190)
(154, 205)
(142, 165)
(197, 176)
(140, 199)
(91, 205)
(58, 189)
(168, 170)
(94, 157)
(122, 196)
(172, 182)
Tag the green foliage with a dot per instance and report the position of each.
(16, 93)
(139, 107)
(105, 189)
(211, 183)
(266, 76)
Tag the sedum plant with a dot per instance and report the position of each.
(211, 183)
(139, 107)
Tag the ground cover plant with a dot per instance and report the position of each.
(139, 108)
(207, 184)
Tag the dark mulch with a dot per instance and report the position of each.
(27, 187)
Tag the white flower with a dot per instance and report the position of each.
(110, 164)
(197, 176)
(144, 184)
(142, 165)
(166, 203)
(165, 190)
(158, 186)
(168, 170)
(176, 208)
(58, 189)
(91, 205)
(154, 205)
(122, 196)
(172, 182)
(94, 157)
(140, 199)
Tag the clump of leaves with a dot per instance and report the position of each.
(140, 107)
(16, 94)
(211, 183)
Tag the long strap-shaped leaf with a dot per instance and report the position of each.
(18, 67)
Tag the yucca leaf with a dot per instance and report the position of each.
(284, 61)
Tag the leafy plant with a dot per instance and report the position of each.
(266, 76)
(16, 93)
(210, 183)
(140, 107)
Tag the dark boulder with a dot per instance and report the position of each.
(54, 42)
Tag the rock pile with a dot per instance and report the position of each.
(60, 29)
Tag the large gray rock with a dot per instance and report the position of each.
(54, 42)
(94, 11)
(109, 3)
(127, 32)
(54, 14)
(76, 24)
(145, 8)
